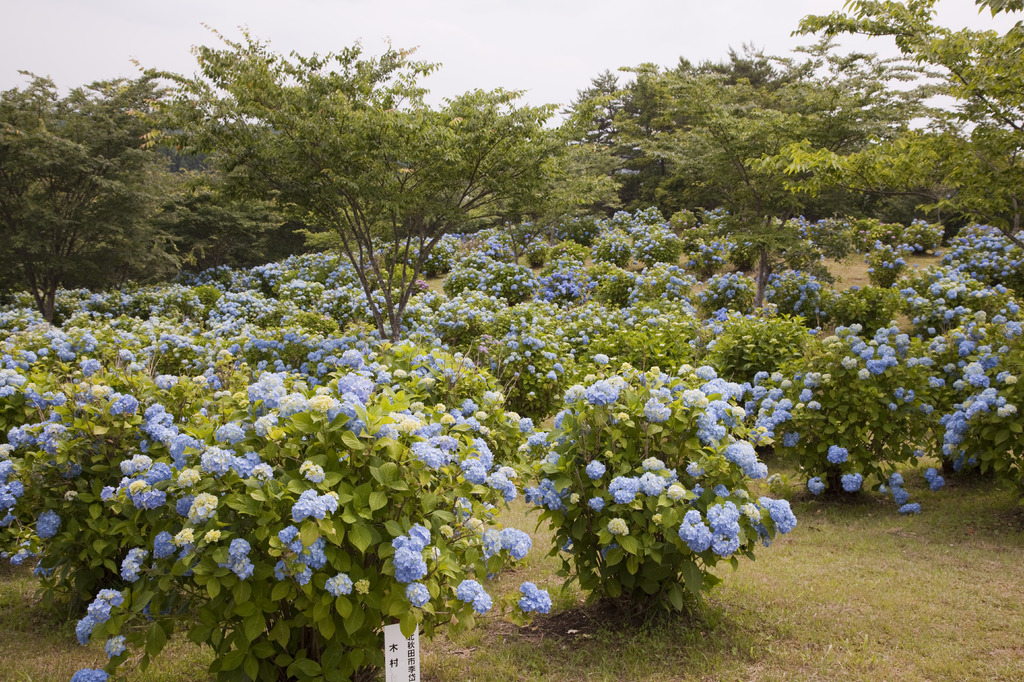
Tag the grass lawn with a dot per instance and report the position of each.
(855, 592)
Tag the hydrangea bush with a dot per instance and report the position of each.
(615, 248)
(292, 522)
(798, 293)
(922, 237)
(850, 408)
(732, 291)
(514, 283)
(940, 298)
(656, 244)
(644, 481)
(886, 262)
(708, 257)
(870, 307)
(982, 428)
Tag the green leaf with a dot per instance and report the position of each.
(407, 623)
(306, 666)
(378, 500)
(241, 591)
(253, 626)
(310, 533)
(629, 543)
(675, 597)
(360, 536)
(280, 633)
(326, 627)
(693, 577)
(156, 640)
(232, 659)
(343, 606)
(251, 667)
(351, 441)
(280, 591)
(354, 621)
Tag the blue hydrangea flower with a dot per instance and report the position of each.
(624, 489)
(471, 591)
(48, 524)
(339, 585)
(132, 564)
(816, 486)
(723, 544)
(534, 599)
(311, 505)
(163, 545)
(694, 532)
(115, 646)
(852, 482)
(595, 470)
(781, 513)
(935, 480)
(516, 542)
(603, 392)
(743, 454)
(417, 594)
(655, 412)
(90, 366)
(409, 564)
(837, 455)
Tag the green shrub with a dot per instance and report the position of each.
(798, 293)
(708, 257)
(615, 248)
(748, 345)
(870, 307)
(653, 337)
(731, 291)
(886, 264)
(565, 251)
(537, 253)
(613, 285)
(923, 237)
(860, 408)
(583, 231)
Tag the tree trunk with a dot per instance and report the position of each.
(763, 272)
(49, 303)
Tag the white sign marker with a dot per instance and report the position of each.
(401, 655)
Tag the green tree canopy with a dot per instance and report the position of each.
(74, 178)
(968, 163)
(696, 135)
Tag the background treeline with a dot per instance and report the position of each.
(261, 157)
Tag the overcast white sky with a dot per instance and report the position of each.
(549, 48)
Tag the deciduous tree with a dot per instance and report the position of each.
(74, 179)
(346, 143)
